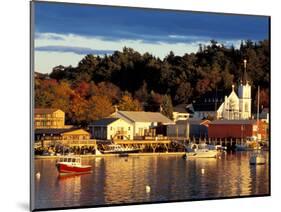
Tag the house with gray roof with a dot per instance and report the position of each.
(111, 128)
(145, 123)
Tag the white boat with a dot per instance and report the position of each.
(217, 147)
(200, 151)
(118, 149)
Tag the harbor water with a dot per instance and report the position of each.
(140, 179)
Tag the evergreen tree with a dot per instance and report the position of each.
(167, 106)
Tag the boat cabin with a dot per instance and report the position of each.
(70, 160)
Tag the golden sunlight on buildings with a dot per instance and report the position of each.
(49, 118)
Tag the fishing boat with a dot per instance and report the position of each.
(200, 151)
(118, 149)
(72, 165)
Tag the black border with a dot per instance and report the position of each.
(32, 188)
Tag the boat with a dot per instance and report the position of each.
(123, 154)
(217, 147)
(72, 165)
(200, 151)
(118, 149)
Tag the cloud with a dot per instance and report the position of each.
(49, 36)
(156, 38)
(125, 36)
(73, 49)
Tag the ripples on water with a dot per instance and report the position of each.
(117, 180)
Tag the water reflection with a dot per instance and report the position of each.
(125, 180)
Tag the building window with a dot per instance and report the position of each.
(111, 128)
(246, 108)
(141, 131)
(129, 128)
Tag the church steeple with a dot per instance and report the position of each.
(245, 75)
(244, 94)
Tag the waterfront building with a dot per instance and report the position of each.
(62, 136)
(190, 128)
(220, 129)
(50, 129)
(145, 123)
(111, 129)
(49, 118)
(180, 113)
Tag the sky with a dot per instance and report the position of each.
(65, 33)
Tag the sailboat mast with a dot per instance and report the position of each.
(258, 111)
(258, 104)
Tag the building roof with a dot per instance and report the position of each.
(180, 108)
(210, 101)
(142, 116)
(192, 121)
(44, 110)
(104, 122)
(55, 131)
(238, 122)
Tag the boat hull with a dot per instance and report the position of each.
(207, 154)
(69, 169)
(120, 151)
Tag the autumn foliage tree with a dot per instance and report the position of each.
(127, 103)
(99, 107)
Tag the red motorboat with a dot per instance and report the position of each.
(72, 165)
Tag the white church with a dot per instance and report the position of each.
(223, 106)
(236, 107)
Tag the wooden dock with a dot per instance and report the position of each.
(116, 155)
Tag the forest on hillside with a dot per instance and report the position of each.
(133, 81)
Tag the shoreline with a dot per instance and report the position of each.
(117, 155)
